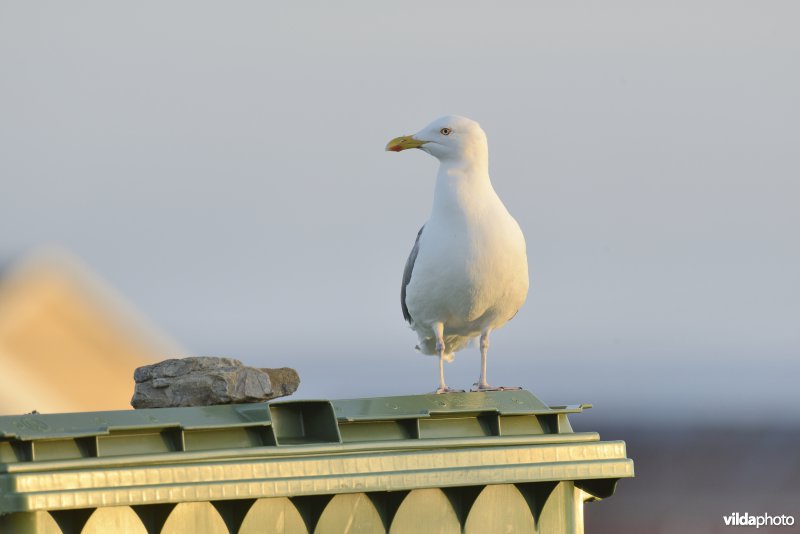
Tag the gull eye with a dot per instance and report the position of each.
(445, 131)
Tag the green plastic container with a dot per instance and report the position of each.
(460, 462)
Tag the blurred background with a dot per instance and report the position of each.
(196, 178)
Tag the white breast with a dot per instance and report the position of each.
(471, 271)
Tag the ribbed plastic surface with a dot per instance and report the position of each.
(308, 460)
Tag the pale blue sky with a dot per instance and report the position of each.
(222, 165)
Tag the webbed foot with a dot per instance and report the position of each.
(448, 390)
(486, 387)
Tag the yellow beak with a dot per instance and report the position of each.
(402, 143)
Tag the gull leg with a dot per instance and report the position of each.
(438, 331)
(482, 384)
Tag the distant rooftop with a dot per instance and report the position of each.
(68, 341)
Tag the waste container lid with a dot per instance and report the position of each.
(513, 402)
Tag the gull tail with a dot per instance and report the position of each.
(451, 344)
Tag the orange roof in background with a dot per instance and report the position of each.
(69, 342)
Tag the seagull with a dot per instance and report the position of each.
(467, 273)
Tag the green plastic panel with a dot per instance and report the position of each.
(379, 465)
(426, 510)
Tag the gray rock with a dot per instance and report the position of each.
(208, 380)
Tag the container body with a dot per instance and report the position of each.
(460, 462)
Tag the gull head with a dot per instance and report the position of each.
(447, 138)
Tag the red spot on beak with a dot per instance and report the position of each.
(396, 148)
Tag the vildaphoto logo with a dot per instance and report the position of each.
(764, 520)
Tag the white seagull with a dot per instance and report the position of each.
(468, 272)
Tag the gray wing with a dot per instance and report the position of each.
(407, 275)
